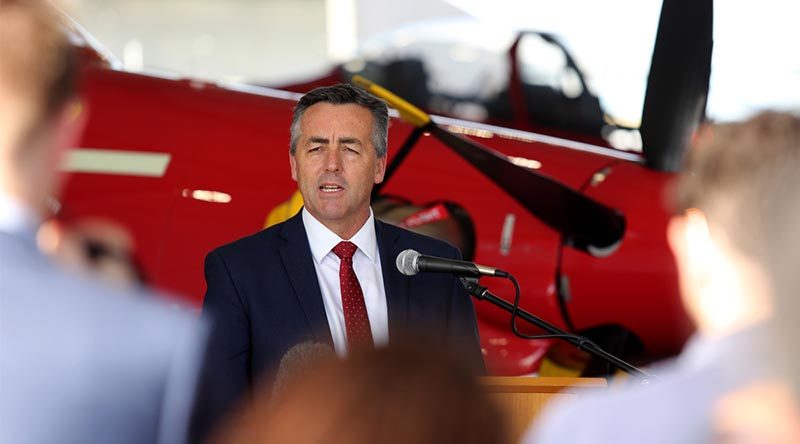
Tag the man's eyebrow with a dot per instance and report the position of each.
(317, 139)
(349, 140)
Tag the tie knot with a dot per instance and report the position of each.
(345, 250)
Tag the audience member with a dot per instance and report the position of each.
(397, 394)
(721, 239)
(768, 410)
(76, 364)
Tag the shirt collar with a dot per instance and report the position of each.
(322, 240)
(702, 351)
(16, 217)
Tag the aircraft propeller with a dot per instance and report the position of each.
(585, 223)
(677, 87)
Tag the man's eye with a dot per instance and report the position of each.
(314, 148)
(351, 150)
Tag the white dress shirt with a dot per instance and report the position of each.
(367, 266)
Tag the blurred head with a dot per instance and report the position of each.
(734, 174)
(768, 410)
(39, 115)
(391, 395)
(782, 252)
(94, 246)
(337, 154)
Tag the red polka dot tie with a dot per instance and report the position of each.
(356, 320)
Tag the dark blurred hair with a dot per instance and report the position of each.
(398, 394)
(343, 94)
(37, 63)
(736, 171)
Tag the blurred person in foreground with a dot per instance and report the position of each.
(735, 175)
(768, 410)
(397, 394)
(77, 365)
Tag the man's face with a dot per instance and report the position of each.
(336, 165)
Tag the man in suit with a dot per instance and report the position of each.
(328, 274)
(730, 201)
(78, 363)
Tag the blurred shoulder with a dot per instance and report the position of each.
(48, 306)
(671, 408)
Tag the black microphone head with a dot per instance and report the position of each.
(407, 262)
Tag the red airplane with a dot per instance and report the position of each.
(187, 166)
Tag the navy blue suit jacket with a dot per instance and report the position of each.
(264, 297)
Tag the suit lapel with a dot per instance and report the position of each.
(296, 256)
(395, 284)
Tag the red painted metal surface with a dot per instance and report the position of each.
(636, 286)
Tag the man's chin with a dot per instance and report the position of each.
(328, 214)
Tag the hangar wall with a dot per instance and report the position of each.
(270, 41)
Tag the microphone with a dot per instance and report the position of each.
(410, 262)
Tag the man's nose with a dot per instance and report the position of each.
(333, 160)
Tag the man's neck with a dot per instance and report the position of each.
(348, 229)
(22, 183)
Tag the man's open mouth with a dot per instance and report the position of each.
(329, 188)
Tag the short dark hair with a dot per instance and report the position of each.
(736, 172)
(39, 64)
(342, 94)
(394, 394)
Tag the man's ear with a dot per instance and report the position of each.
(691, 243)
(695, 255)
(676, 238)
(63, 134)
(293, 166)
(722, 289)
(380, 169)
(68, 127)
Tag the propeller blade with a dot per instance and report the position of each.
(585, 223)
(677, 87)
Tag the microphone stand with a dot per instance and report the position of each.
(483, 294)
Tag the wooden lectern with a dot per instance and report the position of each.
(521, 399)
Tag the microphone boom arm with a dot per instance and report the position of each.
(483, 294)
